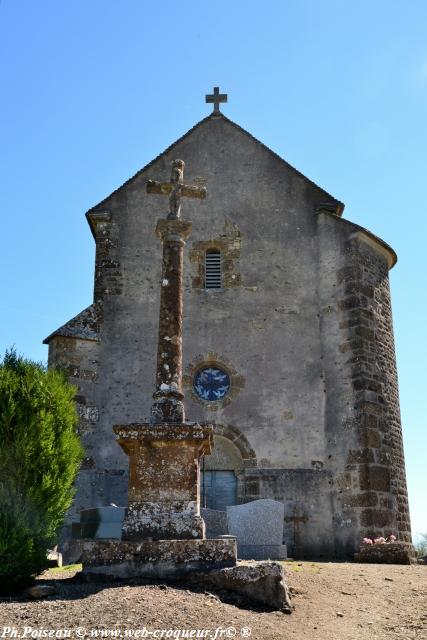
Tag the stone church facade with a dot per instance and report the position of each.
(288, 344)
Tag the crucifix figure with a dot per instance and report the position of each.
(216, 97)
(175, 189)
(297, 521)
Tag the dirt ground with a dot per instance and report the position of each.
(333, 601)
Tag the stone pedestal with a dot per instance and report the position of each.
(164, 500)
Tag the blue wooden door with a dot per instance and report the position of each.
(218, 489)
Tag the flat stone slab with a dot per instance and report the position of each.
(262, 582)
(155, 558)
(387, 553)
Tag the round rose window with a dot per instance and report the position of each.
(211, 384)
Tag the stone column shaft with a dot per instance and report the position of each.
(168, 406)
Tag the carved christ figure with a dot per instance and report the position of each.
(175, 189)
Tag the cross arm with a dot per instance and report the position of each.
(193, 192)
(162, 188)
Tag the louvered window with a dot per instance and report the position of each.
(213, 270)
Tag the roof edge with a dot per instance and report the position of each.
(84, 326)
(369, 238)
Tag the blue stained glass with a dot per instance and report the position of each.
(211, 384)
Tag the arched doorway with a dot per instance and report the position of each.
(219, 481)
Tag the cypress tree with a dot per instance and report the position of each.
(40, 454)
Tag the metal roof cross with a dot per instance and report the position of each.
(216, 97)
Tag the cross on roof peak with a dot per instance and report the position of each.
(216, 97)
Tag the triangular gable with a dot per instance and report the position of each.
(331, 201)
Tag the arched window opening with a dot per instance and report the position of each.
(213, 269)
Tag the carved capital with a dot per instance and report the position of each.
(173, 230)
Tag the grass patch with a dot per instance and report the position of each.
(67, 567)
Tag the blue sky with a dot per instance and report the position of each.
(92, 90)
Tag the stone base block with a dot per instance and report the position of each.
(262, 582)
(262, 551)
(162, 521)
(158, 559)
(389, 553)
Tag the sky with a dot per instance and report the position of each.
(92, 90)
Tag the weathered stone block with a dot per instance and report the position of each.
(175, 520)
(373, 438)
(375, 478)
(360, 455)
(365, 333)
(370, 421)
(369, 499)
(376, 518)
(155, 558)
(262, 582)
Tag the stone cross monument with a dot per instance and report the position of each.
(163, 533)
(164, 491)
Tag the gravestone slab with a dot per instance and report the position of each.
(99, 523)
(258, 527)
(215, 521)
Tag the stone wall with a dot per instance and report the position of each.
(362, 406)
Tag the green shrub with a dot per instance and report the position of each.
(40, 454)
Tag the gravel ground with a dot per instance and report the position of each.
(333, 601)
